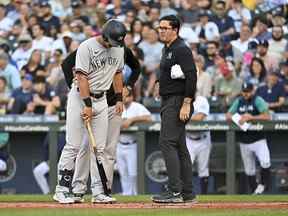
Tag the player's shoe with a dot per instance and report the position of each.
(103, 198)
(78, 198)
(189, 198)
(260, 189)
(168, 197)
(63, 197)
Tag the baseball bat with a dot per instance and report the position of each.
(100, 167)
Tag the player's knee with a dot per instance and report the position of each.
(265, 164)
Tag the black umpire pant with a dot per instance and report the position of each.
(173, 145)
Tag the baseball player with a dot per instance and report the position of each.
(42, 169)
(114, 125)
(133, 65)
(253, 144)
(98, 60)
(127, 148)
(199, 143)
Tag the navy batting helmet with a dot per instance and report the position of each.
(114, 33)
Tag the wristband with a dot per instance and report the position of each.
(118, 97)
(88, 102)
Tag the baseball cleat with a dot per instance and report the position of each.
(103, 198)
(189, 198)
(63, 197)
(260, 189)
(78, 198)
(168, 197)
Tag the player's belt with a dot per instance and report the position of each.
(128, 143)
(99, 95)
(197, 137)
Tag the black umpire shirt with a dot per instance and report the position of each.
(69, 63)
(177, 53)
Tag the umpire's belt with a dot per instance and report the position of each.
(197, 137)
(128, 143)
(99, 95)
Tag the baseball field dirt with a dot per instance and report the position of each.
(216, 205)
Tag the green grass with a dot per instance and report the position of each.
(146, 198)
(142, 212)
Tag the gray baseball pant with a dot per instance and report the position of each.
(77, 140)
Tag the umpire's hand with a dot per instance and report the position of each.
(87, 114)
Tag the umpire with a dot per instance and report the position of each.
(176, 86)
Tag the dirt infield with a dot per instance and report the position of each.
(215, 205)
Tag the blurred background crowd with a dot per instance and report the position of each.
(232, 41)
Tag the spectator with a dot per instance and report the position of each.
(22, 54)
(273, 92)
(13, 9)
(206, 31)
(257, 73)
(269, 60)
(63, 43)
(240, 46)
(14, 34)
(77, 12)
(227, 87)
(153, 16)
(129, 19)
(212, 50)
(34, 67)
(22, 97)
(115, 10)
(204, 82)
(277, 43)
(166, 9)
(45, 101)
(5, 22)
(77, 31)
(137, 27)
(40, 41)
(239, 14)
(278, 19)
(4, 96)
(10, 73)
(152, 50)
(189, 12)
(54, 69)
(224, 22)
(260, 29)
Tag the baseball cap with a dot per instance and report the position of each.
(75, 4)
(203, 13)
(24, 38)
(247, 87)
(264, 43)
(44, 4)
(28, 77)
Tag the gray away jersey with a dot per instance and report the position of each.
(98, 63)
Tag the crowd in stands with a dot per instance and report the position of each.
(232, 41)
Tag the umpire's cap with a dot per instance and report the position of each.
(114, 33)
(247, 87)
